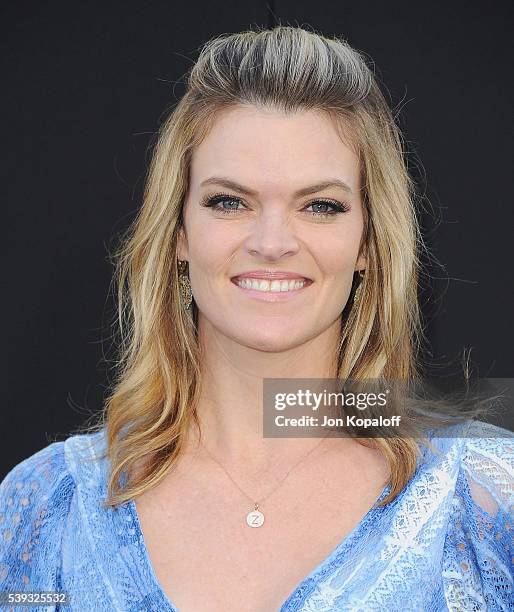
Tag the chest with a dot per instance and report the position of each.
(205, 556)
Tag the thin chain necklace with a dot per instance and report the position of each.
(255, 518)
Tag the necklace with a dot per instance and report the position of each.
(255, 518)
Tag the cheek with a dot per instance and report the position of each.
(336, 254)
(211, 247)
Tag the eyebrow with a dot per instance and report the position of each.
(230, 184)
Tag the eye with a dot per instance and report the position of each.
(335, 208)
(217, 203)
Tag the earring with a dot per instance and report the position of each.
(356, 296)
(186, 295)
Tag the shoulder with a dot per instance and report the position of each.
(35, 499)
(472, 442)
(42, 477)
(480, 550)
(476, 460)
(489, 439)
(488, 463)
(479, 458)
(486, 482)
(52, 472)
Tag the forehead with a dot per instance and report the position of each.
(264, 147)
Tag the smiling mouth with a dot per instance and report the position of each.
(272, 286)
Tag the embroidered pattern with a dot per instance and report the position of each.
(445, 543)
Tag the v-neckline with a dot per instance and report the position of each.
(301, 590)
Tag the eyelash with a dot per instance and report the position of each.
(214, 200)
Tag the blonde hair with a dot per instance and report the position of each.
(154, 396)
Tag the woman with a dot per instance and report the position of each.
(277, 239)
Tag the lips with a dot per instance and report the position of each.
(272, 275)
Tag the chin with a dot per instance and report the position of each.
(269, 342)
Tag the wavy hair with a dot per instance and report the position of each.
(154, 395)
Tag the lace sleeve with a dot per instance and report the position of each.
(484, 546)
(34, 502)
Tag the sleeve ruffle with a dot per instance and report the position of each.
(482, 547)
(35, 499)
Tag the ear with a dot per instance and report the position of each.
(182, 247)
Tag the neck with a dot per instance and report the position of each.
(230, 408)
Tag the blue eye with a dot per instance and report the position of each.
(215, 202)
(335, 209)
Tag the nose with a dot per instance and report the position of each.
(272, 236)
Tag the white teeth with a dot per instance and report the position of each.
(275, 285)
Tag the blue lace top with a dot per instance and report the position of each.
(445, 543)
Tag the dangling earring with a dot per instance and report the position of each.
(356, 296)
(186, 295)
(352, 314)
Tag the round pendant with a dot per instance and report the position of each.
(255, 518)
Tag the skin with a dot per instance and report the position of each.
(193, 520)
(243, 339)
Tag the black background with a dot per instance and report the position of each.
(85, 86)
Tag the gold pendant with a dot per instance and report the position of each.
(255, 518)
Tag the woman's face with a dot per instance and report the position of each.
(271, 225)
